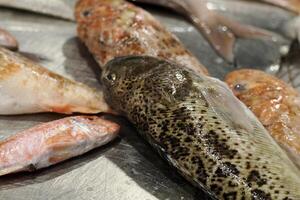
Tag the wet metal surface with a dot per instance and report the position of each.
(127, 168)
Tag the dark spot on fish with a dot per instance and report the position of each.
(216, 189)
(259, 194)
(230, 196)
(226, 170)
(287, 198)
(218, 146)
(255, 177)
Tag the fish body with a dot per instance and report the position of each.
(112, 28)
(219, 30)
(197, 124)
(54, 142)
(27, 87)
(7, 40)
(275, 103)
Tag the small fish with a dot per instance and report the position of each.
(112, 28)
(275, 103)
(53, 142)
(201, 128)
(219, 30)
(27, 87)
(7, 40)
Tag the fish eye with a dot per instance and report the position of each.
(239, 87)
(86, 13)
(111, 77)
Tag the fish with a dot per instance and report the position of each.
(112, 28)
(27, 87)
(274, 102)
(197, 124)
(219, 30)
(57, 8)
(53, 142)
(8, 40)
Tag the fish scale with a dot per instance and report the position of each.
(178, 113)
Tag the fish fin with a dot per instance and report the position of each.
(221, 32)
(224, 104)
(12, 169)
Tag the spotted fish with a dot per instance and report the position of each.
(112, 28)
(27, 87)
(54, 142)
(275, 103)
(197, 124)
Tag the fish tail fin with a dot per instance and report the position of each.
(221, 32)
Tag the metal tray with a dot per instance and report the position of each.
(127, 168)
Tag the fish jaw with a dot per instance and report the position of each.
(117, 28)
(8, 41)
(53, 142)
(27, 87)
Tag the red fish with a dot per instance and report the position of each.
(113, 28)
(275, 103)
(54, 142)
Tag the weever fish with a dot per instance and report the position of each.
(196, 123)
(275, 103)
(53, 142)
(27, 87)
(112, 28)
(7, 40)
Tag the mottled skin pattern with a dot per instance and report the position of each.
(112, 28)
(274, 102)
(176, 111)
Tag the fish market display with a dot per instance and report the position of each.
(7, 40)
(54, 142)
(275, 103)
(197, 124)
(112, 28)
(220, 31)
(26, 87)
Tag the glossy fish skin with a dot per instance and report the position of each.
(197, 124)
(220, 31)
(275, 103)
(7, 40)
(27, 87)
(54, 142)
(112, 28)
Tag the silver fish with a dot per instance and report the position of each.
(197, 124)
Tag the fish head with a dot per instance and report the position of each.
(241, 81)
(122, 76)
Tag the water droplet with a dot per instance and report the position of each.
(284, 50)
